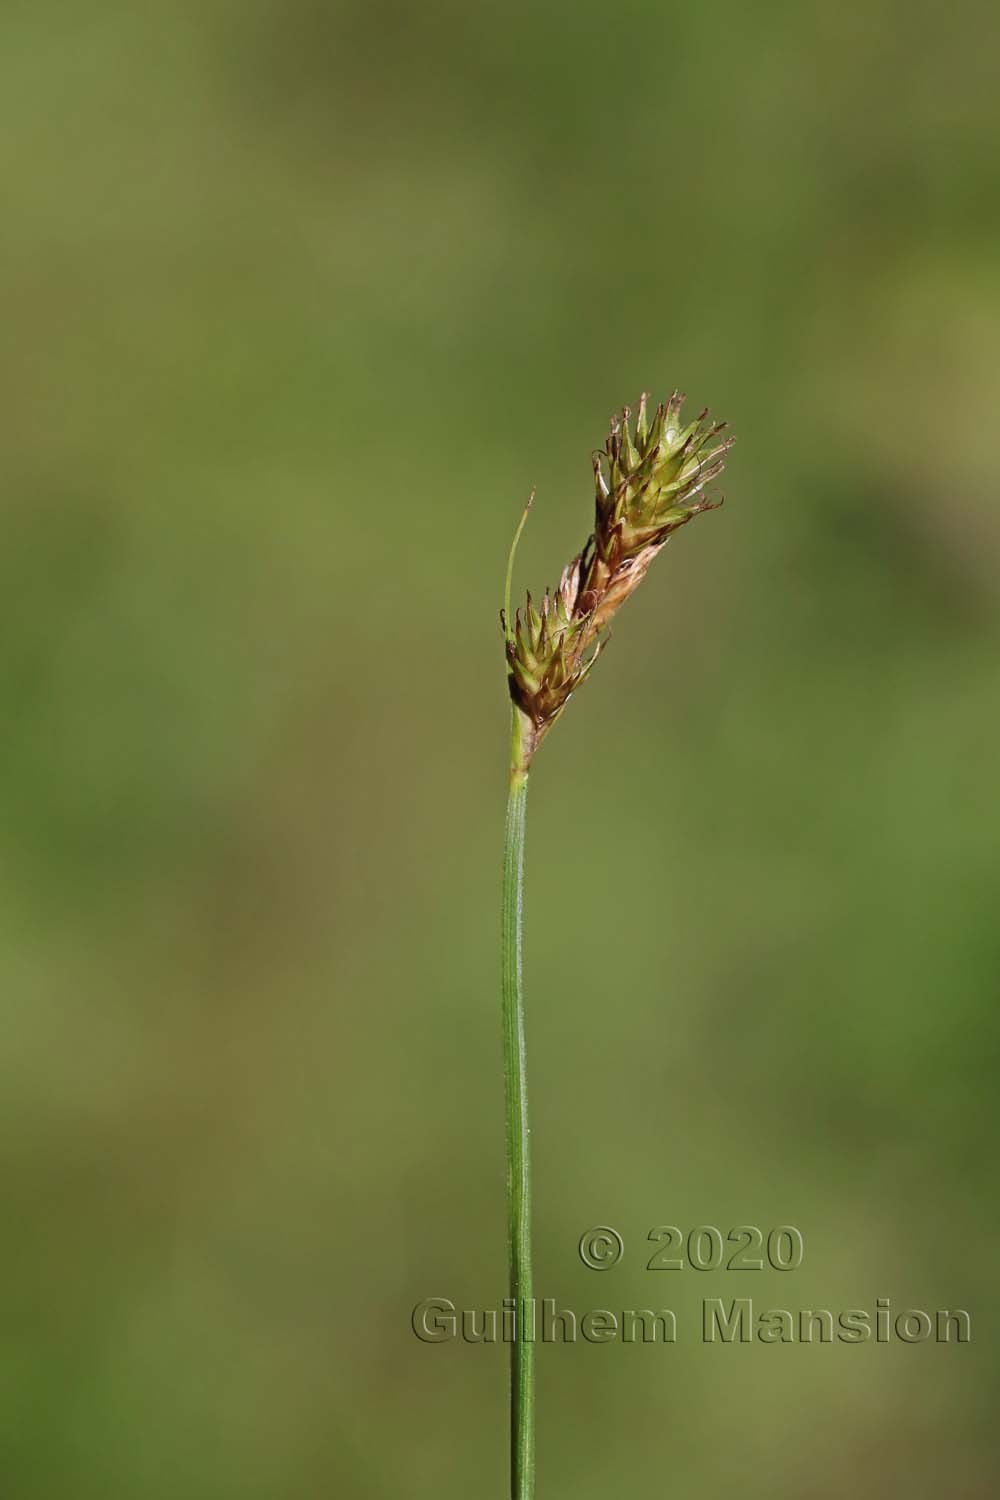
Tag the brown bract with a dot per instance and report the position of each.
(650, 480)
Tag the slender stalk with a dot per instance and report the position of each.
(649, 480)
(522, 1366)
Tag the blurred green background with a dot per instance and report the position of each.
(298, 301)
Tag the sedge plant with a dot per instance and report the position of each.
(651, 478)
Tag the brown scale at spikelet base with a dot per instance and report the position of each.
(650, 480)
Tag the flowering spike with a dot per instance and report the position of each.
(654, 483)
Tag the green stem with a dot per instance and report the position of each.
(522, 1366)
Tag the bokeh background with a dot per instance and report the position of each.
(299, 299)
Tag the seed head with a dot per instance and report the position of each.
(550, 650)
(649, 481)
(647, 485)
